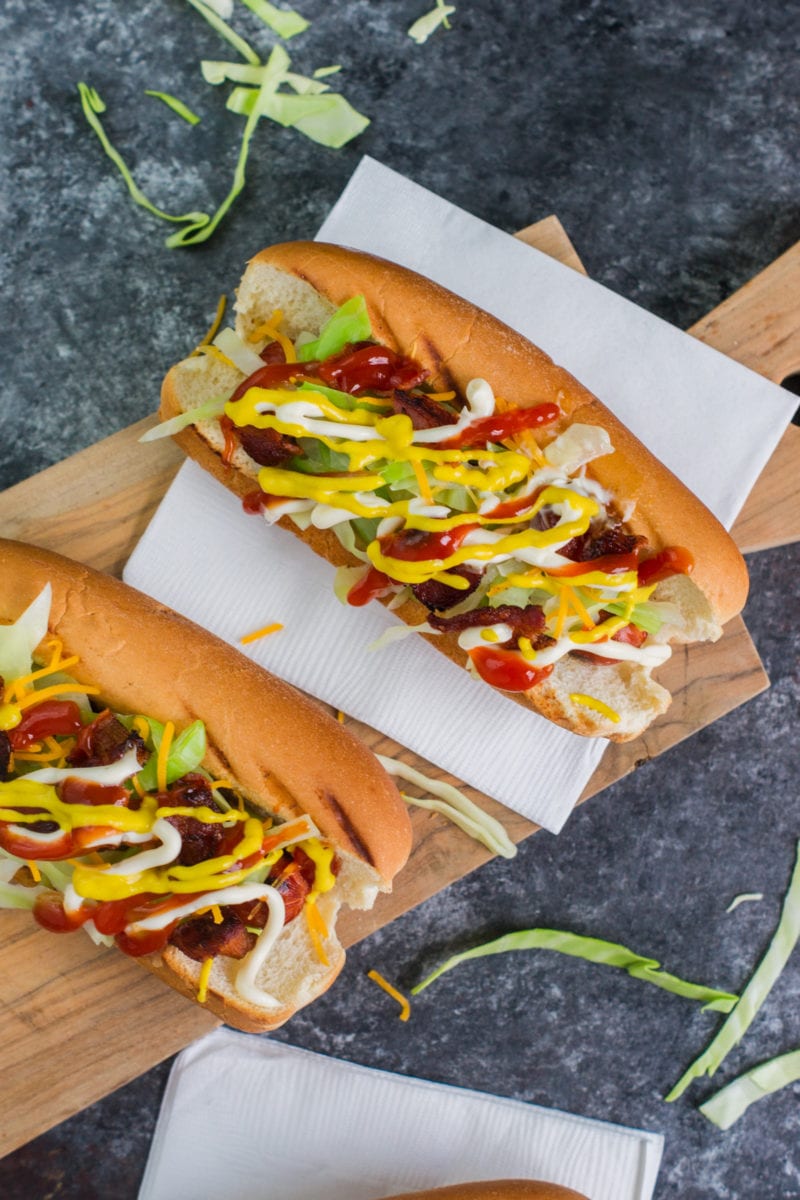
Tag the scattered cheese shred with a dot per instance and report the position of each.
(142, 727)
(422, 480)
(215, 352)
(270, 330)
(216, 913)
(561, 614)
(405, 1007)
(259, 633)
(202, 983)
(598, 705)
(34, 870)
(163, 755)
(18, 685)
(58, 689)
(317, 929)
(215, 324)
(340, 717)
(577, 605)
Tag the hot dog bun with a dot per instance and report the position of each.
(282, 752)
(498, 1189)
(458, 342)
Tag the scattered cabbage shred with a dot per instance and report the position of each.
(759, 987)
(422, 28)
(308, 106)
(607, 954)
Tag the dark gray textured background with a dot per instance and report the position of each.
(665, 136)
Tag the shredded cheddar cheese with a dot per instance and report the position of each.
(405, 1007)
(34, 870)
(422, 480)
(597, 705)
(163, 755)
(265, 631)
(317, 929)
(202, 982)
(215, 324)
(215, 352)
(270, 330)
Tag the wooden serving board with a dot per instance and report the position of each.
(89, 1020)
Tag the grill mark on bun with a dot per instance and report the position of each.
(343, 818)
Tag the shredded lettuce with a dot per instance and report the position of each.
(427, 24)
(758, 988)
(340, 399)
(727, 1105)
(366, 528)
(14, 895)
(349, 324)
(285, 22)
(186, 753)
(19, 639)
(346, 535)
(176, 105)
(323, 72)
(607, 954)
(319, 459)
(647, 615)
(225, 31)
(203, 412)
(345, 579)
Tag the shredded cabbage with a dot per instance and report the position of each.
(727, 1105)
(758, 988)
(453, 804)
(19, 640)
(200, 231)
(285, 22)
(427, 24)
(743, 898)
(607, 954)
(397, 633)
(203, 412)
(225, 31)
(176, 105)
(92, 106)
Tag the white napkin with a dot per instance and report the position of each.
(233, 574)
(247, 1117)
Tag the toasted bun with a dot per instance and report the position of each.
(458, 342)
(282, 751)
(497, 1189)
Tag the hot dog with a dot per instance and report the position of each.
(452, 470)
(498, 1189)
(161, 790)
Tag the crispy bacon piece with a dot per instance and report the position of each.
(596, 545)
(273, 353)
(424, 412)
(433, 594)
(526, 622)
(267, 447)
(202, 937)
(201, 840)
(105, 740)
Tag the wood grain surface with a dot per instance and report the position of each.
(74, 1013)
